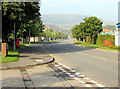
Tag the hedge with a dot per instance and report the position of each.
(101, 38)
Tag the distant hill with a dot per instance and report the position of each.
(63, 22)
(57, 28)
(62, 19)
(51, 26)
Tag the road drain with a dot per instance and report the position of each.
(26, 79)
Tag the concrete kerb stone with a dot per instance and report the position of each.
(28, 66)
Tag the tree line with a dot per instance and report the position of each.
(50, 34)
(90, 26)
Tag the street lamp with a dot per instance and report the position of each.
(14, 37)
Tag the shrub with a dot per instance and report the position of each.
(114, 47)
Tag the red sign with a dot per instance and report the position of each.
(107, 42)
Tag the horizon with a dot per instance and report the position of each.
(67, 19)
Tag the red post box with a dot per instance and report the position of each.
(18, 43)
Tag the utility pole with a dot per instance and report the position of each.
(29, 35)
(14, 37)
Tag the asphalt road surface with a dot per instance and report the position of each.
(101, 66)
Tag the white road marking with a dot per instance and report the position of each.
(56, 65)
(82, 75)
(39, 60)
(68, 67)
(100, 85)
(67, 73)
(87, 78)
(62, 66)
(99, 58)
(88, 85)
(78, 73)
(93, 81)
(95, 56)
(76, 78)
(81, 82)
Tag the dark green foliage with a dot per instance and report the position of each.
(91, 26)
(101, 38)
(24, 15)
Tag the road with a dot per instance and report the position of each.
(101, 66)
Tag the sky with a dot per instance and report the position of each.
(104, 9)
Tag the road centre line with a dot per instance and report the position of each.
(100, 58)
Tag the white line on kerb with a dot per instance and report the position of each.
(76, 78)
(93, 81)
(87, 78)
(81, 82)
(87, 85)
(100, 85)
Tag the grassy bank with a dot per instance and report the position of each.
(95, 46)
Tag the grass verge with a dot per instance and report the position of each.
(11, 57)
(95, 46)
(14, 55)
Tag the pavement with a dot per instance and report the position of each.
(50, 76)
(29, 56)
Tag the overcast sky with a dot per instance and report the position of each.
(104, 9)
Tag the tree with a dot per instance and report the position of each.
(76, 32)
(93, 27)
(51, 34)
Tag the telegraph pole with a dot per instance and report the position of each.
(14, 37)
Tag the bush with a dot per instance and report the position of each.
(101, 38)
(114, 47)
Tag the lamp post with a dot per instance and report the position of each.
(14, 37)
(29, 35)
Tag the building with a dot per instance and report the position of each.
(117, 32)
(107, 32)
(117, 35)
